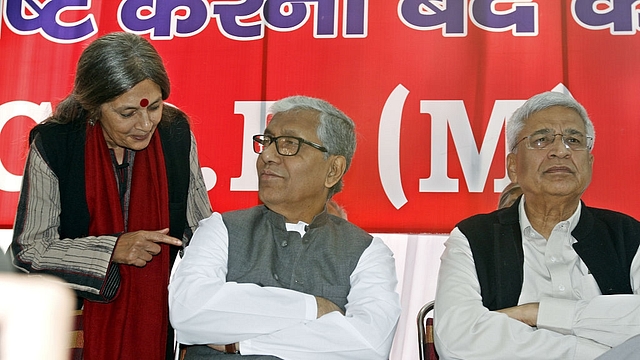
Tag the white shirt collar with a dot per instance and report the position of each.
(300, 227)
(527, 229)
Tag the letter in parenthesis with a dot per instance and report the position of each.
(441, 112)
(475, 164)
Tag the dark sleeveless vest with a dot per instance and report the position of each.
(62, 146)
(607, 243)
(263, 252)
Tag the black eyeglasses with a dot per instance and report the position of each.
(576, 142)
(285, 145)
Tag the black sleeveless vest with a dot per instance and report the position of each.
(607, 243)
(62, 147)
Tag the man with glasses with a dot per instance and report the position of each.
(287, 280)
(548, 277)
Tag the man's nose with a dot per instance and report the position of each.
(559, 146)
(269, 152)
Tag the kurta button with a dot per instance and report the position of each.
(275, 276)
(284, 243)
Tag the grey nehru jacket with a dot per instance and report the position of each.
(263, 252)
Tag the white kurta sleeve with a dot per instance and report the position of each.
(606, 319)
(465, 329)
(365, 331)
(205, 309)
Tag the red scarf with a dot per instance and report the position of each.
(133, 325)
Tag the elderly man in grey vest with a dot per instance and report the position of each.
(287, 280)
(548, 277)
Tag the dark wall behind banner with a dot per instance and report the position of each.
(407, 83)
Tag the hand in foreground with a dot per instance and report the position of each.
(526, 313)
(138, 248)
(326, 306)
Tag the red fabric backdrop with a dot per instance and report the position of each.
(428, 83)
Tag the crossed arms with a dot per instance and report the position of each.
(206, 309)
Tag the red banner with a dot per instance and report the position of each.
(428, 83)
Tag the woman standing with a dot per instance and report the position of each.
(112, 189)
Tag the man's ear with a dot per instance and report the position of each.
(337, 167)
(511, 167)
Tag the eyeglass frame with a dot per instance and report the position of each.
(274, 140)
(567, 146)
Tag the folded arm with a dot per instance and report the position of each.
(464, 328)
(205, 309)
(365, 331)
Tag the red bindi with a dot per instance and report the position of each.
(144, 102)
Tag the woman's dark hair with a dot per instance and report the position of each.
(110, 66)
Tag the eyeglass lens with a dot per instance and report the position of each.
(285, 145)
(572, 141)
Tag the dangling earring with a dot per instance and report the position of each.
(92, 122)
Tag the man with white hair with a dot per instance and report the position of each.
(548, 277)
(288, 280)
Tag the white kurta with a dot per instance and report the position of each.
(206, 309)
(575, 321)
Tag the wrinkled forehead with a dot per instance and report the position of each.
(555, 119)
(293, 122)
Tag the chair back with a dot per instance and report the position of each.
(425, 333)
